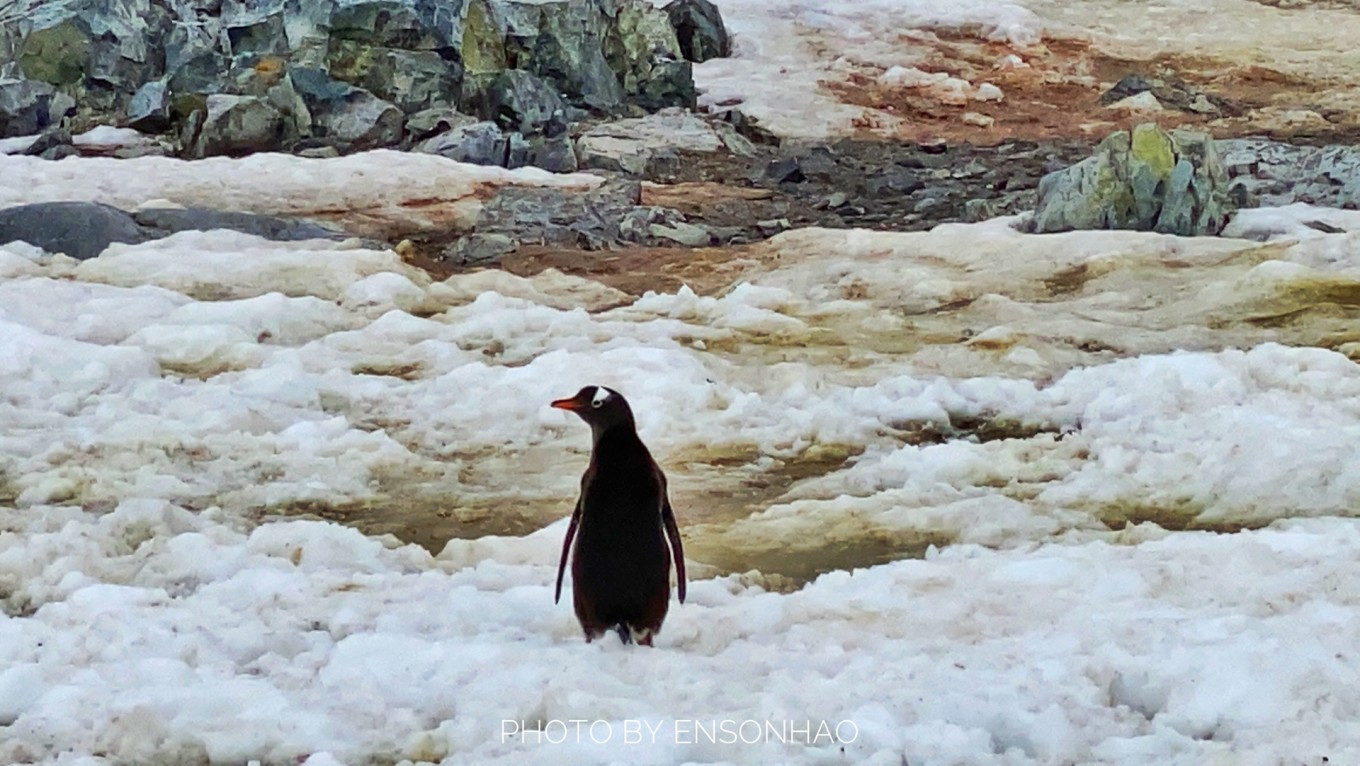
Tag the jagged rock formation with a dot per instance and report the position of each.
(1146, 180)
(237, 76)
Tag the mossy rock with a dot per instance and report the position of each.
(1147, 180)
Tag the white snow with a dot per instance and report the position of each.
(384, 192)
(784, 49)
(154, 634)
(789, 54)
(111, 137)
(17, 144)
(1291, 222)
(158, 399)
(101, 136)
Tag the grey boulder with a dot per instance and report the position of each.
(700, 30)
(236, 126)
(481, 143)
(1146, 180)
(557, 154)
(149, 109)
(344, 116)
(518, 101)
(28, 107)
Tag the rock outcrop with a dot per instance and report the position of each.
(235, 76)
(699, 28)
(630, 145)
(1145, 180)
(1273, 173)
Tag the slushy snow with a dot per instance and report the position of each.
(158, 398)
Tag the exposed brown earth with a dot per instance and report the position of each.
(1057, 94)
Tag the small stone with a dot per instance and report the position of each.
(784, 170)
(557, 155)
(319, 152)
(516, 151)
(924, 204)
(837, 199)
(819, 162)
(60, 152)
(1142, 102)
(481, 248)
(52, 138)
(1200, 104)
(938, 146)
(686, 234)
(636, 224)
(900, 182)
(980, 120)
(988, 92)
(1129, 85)
(481, 143)
(431, 122)
(773, 226)
(975, 210)
(973, 169)
(735, 142)
(149, 109)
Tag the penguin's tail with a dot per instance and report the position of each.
(625, 632)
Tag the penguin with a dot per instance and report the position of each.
(620, 565)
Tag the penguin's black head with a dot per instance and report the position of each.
(602, 408)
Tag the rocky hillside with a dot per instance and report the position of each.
(231, 77)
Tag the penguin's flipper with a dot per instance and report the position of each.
(566, 546)
(677, 549)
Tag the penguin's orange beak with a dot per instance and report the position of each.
(572, 404)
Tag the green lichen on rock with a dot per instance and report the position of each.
(58, 55)
(483, 45)
(533, 64)
(1152, 148)
(568, 50)
(639, 38)
(414, 80)
(1149, 180)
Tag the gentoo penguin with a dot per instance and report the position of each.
(620, 568)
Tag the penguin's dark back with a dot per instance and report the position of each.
(623, 484)
(621, 564)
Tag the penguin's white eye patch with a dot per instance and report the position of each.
(601, 395)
